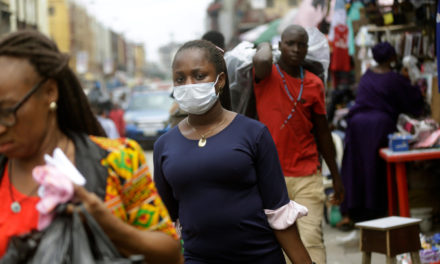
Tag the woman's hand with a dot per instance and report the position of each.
(93, 204)
(404, 71)
(156, 246)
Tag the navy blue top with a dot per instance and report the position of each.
(219, 192)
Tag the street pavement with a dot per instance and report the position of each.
(149, 157)
(342, 247)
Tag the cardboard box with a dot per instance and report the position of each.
(397, 142)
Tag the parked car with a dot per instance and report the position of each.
(141, 88)
(146, 116)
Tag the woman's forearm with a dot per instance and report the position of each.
(156, 246)
(290, 241)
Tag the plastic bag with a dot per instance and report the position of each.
(317, 59)
(66, 240)
(318, 50)
(419, 129)
(425, 133)
(239, 65)
(410, 63)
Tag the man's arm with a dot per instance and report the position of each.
(262, 61)
(326, 147)
(290, 241)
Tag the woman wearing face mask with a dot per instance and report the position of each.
(219, 175)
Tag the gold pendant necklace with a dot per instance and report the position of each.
(16, 204)
(202, 141)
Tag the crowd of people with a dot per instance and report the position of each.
(227, 188)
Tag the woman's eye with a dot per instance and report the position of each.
(6, 111)
(178, 80)
(200, 76)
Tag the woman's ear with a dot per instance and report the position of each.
(220, 83)
(51, 91)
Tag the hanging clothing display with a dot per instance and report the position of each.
(438, 41)
(340, 60)
(353, 15)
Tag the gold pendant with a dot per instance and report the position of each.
(202, 142)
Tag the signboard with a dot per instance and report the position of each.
(258, 4)
(82, 59)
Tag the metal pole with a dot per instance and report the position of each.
(37, 9)
(13, 16)
(24, 14)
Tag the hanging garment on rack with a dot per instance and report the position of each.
(438, 41)
(354, 14)
(340, 60)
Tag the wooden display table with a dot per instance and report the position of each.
(396, 173)
(391, 236)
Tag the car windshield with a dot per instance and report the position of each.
(150, 101)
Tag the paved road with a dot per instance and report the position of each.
(149, 156)
(343, 247)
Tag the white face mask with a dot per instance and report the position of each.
(196, 98)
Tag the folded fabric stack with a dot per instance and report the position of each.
(431, 249)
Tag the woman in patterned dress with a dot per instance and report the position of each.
(42, 107)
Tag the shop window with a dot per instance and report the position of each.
(51, 11)
(269, 3)
(4, 22)
(293, 2)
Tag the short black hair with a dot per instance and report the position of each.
(216, 38)
(296, 29)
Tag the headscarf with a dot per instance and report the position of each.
(383, 51)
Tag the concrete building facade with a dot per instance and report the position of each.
(95, 51)
(29, 14)
(23, 14)
(5, 14)
(234, 17)
(59, 24)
